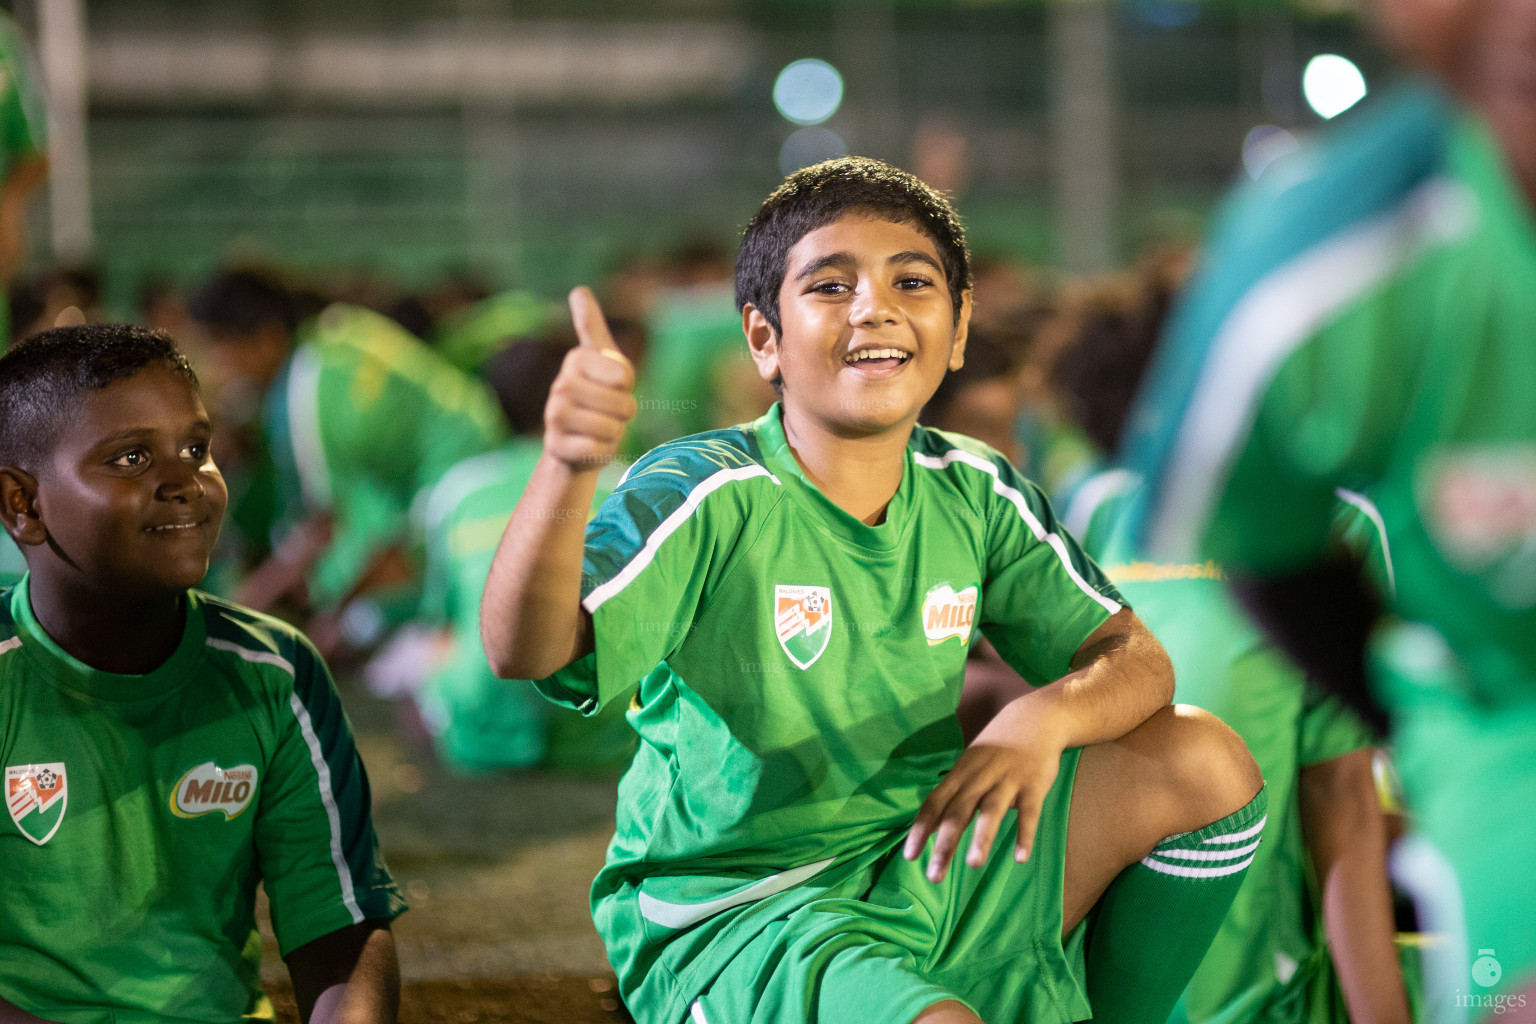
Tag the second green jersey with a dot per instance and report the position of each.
(145, 809)
(799, 673)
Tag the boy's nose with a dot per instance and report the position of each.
(180, 483)
(873, 306)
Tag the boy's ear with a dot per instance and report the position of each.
(18, 503)
(762, 340)
(962, 331)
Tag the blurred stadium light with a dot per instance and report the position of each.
(808, 91)
(1332, 84)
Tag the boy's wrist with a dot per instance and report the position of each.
(555, 467)
(1038, 718)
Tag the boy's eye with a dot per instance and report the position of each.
(131, 459)
(911, 282)
(829, 288)
(197, 451)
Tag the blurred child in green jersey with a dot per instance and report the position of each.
(1363, 318)
(360, 420)
(164, 752)
(795, 598)
(477, 721)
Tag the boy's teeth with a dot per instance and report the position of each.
(877, 353)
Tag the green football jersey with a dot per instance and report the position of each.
(363, 421)
(480, 721)
(1270, 960)
(145, 809)
(1364, 319)
(799, 673)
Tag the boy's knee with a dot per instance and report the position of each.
(1205, 770)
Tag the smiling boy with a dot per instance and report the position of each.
(796, 597)
(164, 752)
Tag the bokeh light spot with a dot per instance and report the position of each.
(1264, 145)
(810, 146)
(808, 91)
(1332, 84)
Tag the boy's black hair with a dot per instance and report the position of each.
(43, 377)
(820, 194)
(243, 302)
(522, 374)
(1098, 374)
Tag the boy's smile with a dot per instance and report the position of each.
(868, 327)
(131, 499)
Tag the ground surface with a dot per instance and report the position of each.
(496, 870)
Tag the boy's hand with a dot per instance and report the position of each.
(1011, 766)
(592, 400)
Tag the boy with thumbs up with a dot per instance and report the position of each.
(795, 598)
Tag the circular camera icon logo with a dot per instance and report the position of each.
(1486, 971)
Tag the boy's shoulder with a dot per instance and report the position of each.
(965, 461)
(710, 458)
(247, 636)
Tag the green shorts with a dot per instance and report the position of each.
(989, 937)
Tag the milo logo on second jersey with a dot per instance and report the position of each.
(208, 788)
(948, 615)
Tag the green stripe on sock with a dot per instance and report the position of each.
(1180, 893)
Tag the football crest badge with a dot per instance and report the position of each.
(36, 795)
(803, 621)
(948, 615)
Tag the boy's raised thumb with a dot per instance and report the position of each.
(591, 328)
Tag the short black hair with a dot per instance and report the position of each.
(818, 195)
(1098, 373)
(43, 377)
(243, 302)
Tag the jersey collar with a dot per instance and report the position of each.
(108, 686)
(827, 515)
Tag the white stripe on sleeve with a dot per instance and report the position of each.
(1017, 499)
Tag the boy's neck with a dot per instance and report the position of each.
(109, 633)
(860, 475)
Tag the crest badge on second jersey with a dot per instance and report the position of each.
(35, 796)
(802, 619)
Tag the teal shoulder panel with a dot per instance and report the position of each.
(1367, 167)
(656, 487)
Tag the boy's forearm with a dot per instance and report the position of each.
(1346, 836)
(1120, 676)
(351, 976)
(531, 620)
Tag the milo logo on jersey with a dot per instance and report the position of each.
(208, 788)
(36, 795)
(948, 615)
(803, 621)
